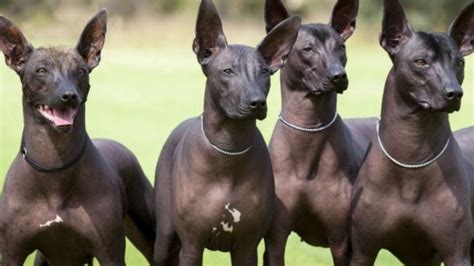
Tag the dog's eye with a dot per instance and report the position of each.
(81, 72)
(421, 62)
(308, 49)
(41, 71)
(228, 71)
(460, 63)
(265, 71)
(341, 46)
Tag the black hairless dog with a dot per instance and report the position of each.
(315, 155)
(413, 194)
(65, 195)
(214, 180)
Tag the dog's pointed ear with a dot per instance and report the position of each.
(395, 27)
(210, 36)
(344, 16)
(92, 39)
(14, 45)
(462, 30)
(276, 46)
(275, 12)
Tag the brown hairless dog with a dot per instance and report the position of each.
(214, 179)
(315, 154)
(66, 195)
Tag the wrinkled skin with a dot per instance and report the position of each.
(423, 216)
(314, 172)
(204, 198)
(74, 214)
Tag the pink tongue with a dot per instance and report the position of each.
(63, 117)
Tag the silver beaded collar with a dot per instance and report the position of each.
(229, 153)
(305, 129)
(405, 165)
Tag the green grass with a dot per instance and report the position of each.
(139, 95)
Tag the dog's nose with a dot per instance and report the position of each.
(453, 93)
(68, 96)
(337, 74)
(256, 103)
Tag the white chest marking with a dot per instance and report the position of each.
(57, 220)
(235, 213)
(227, 227)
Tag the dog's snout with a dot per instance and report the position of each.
(337, 74)
(453, 93)
(68, 96)
(257, 102)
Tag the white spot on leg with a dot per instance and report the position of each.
(227, 227)
(57, 220)
(235, 213)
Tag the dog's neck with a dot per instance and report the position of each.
(224, 132)
(301, 109)
(409, 134)
(48, 147)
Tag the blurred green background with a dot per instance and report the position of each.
(149, 80)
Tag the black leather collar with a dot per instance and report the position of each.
(41, 168)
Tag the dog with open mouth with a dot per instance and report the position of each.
(65, 195)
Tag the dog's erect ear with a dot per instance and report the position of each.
(343, 18)
(395, 27)
(210, 36)
(92, 39)
(276, 46)
(462, 30)
(14, 45)
(275, 12)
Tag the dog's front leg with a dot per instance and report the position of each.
(166, 248)
(190, 254)
(340, 252)
(338, 237)
(244, 256)
(276, 238)
(363, 253)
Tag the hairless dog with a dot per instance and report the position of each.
(315, 155)
(66, 195)
(214, 179)
(413, 195)
(465, 138)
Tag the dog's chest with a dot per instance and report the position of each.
(224, 216)
(64, 226)
(232, 223)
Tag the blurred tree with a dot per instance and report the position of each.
(423, 14)
(28, 7)
(168, 6)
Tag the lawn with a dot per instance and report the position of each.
(140, 92)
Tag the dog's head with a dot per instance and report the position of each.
(317, 61)
(238, 77)
(428, 67)
(55, 80)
